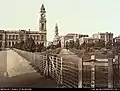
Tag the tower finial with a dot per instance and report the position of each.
(42, 7)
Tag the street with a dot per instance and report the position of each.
(16, 72)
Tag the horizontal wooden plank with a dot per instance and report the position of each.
(72, 67)
(69, 84)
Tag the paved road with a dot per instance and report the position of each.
(20, 73)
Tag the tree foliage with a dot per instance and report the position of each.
(29, 45)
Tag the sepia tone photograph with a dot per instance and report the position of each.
(59, 44)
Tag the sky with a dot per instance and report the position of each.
(72, 16)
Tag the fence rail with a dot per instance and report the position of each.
(80, 74)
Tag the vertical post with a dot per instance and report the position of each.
(34, 60)
(61, 71)
(119, 69)
(55, 75)
(93, 71)
(110, 73)
(48, 63)
(92, 74)
(42, 68)
(52, 67)
(47, 67)
(57, 67)
(80, 66)
(116, 72)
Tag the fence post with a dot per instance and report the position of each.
(119, 69)
(52, 66)
(116, 72)
(61, 70)
(80, 66)
(48, 63)
(56, 66)
(93, 71)
(110, 73)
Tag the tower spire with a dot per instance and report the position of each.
(56, 31)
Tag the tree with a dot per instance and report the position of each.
(77, 44)
(109, 45)
(21, 45)
(71, 44)
(29, 45)
(99, 44)
(116, 48)
(84, 45)
(67, 45)
(90, 45)
(59, 44)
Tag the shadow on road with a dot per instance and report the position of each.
(27, 80)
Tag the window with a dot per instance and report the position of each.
(0, 44)
(13, 36)
(12, 43)
(9, 43)
(37, 37)
(16, 36)
(34, 37)
(9, 36)
(42, 37)
(1, 37)
(42, 27)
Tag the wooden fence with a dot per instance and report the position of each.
(76, 74)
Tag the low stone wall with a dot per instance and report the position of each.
(33, 58)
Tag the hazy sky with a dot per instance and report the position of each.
(79, 16)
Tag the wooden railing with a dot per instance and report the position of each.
(76, 74)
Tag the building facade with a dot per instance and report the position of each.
(8, 38)
(104, 36)
(116, 39)
(70, 37)
(88, 40)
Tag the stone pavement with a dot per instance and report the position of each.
(15, 71)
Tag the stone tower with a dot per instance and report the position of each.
(42, 25)
(42, 20)
(56, 31)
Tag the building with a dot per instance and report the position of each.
(70, 37)
(8, 38)
(88, 40)
(104, 36)
(116, 39)
(78, 36)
